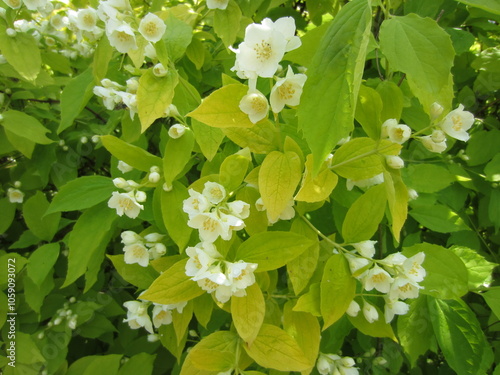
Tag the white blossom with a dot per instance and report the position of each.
(136, 253)
(432, 145)
(197, 203)
(353, 308)
(125, 203)
(370, 312)
(239, 209)
(210, 227)
(152, 27)
(377, 278)
(438, 136)
(398, 133)
(201, 257)
(15, 195)
(34, 4)
(365, 248)
(122, 37)
(356, 263)
(403, 288)
(214, 192)
(159, 70)
(162, 315)
(287, 91)
(366, 183)
(413, 269)
(255, 105)
(154, 177)
(394, 307)
(14, 4)
(457, 122)
(137, 315)
(217, 4)
(129, 237)
(176, 131)
(436, 110)
(86, 19)
(394, 162)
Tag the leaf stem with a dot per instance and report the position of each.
(319, 233)
(374, 151)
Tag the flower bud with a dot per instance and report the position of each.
(124, 167)
(412, 194)
(438, 136)
(11, 32)
(120, 183)
(436, 110)
(84, 140)
(370, 313)
(353, 308)
(17, 184)
(167, 187)
(154, 168)
(153, 237)
(140, 196)
(154, 177)
(160, 249)
(176, 131)
(394, 162)
(95, 138)
(159, 70)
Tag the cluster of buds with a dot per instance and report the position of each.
(140, 249)
(207, 267)
(396, 276)
(138, 316)
(212, 215)
(64, 314)
(332, 364)
(113, 94)
(127, 203)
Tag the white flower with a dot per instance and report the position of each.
(213, 279)
(353, 308)
(412, 194)
(398, 133)
(15, 195)
(370, 312)
(396, 259)
(201, 257)
(365, 248)
(431, 145)
(14, 4)
(394, 307)
(129, 237)
(121, 36)
(161, 315)
(217, 4)
(403, 288)
(377, 278)
(286, 26)
(159, 70)
(35, 4)
(137, 315)
(120, 183)
(176, 131)
(436, 110)
(86, 19)
(126, 204)
(132, 85)
(214, 192)
(366, 183)
(324, 365)
(457, 122)
(413, 269)
(210, 227)
(356, 264)
(287, 91)
(157, 250)
(438, 136)
(232, 222)
(255, 105)
(153, 237)
(260, 52)
(239, 209)
(136, 253)
(394, 162)
(240, 274)
(152, 28)
(140, 196)
(196, 204)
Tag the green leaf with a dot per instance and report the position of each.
(215, 353)
(44, 227)
(410, 44)
(326, 113)
(141, 277)
(141, 363)
(196, 53)
(154, 95)
(272, 250)
(174, 217)
(478, 268)
(397, 199)
(492, 298)
(310, 44)
(186, 97)
(276, 349)
(132, 155)
(427, 178)
(81, 193)
(378, 328)
(104, 365)
(392, 100)
(460, 336)
(360, 158)
(492, 169)
(248, 313)
(25, 126)
(221, 108)
(41, 262)
(57, 62)
(89, 235)
(23, 145)
(369, 110)
(446, 275)
(35, 292)
(21, 52)
(207, 137)
(438, 218)
(279, 175)
(310, 301)
(227, 23)
(74, 98)
(177, 37)
(338, 288)
(102, 56)
(177, 155)
(491, 6)
(8, 211)
(260, 138)
(318, 188)
(181, 321)
(173, 286)
(415, 330)
(232, 171)
(482, 147)
(362, 220)
(257, 221)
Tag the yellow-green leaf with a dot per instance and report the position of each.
(397, 199)
(221, 108)
(232, 171)
(260, 138)
(154, 95)
(248, 313)
(177, 155)
(338, 287)
(319, 188)
(368, 111)
(279, 175)
(25, 126)
(130, 154)
(173, 286)
(207, 137)
(44, 227)
(310, 301)
(276, 349)
(227, 23)
(174, 217)
(378, 328)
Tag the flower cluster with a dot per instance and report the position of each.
(140, 249)
(259, 55)
(287, 214)
(207, 267)
(396, 276)
(137, 314)
(210, 213)
(127, 203)
(113, 95)
(335, 365)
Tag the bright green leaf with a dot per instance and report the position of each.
(260, 138)
(139, 276)
(44, 227)
(207, 137)
(478, 268)
(427, 178)
(41, 262)
(132, 155)
(227, 23)
(438, 217)
(174, 217)
(25, 126)
(369, 111)
(248, 313)
(378, 328)
(177, 155)
(8, 211)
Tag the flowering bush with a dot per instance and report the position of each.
(249, 187)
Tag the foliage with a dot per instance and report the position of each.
(250, 187)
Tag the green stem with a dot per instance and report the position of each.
(318, 232)
(360, 156)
